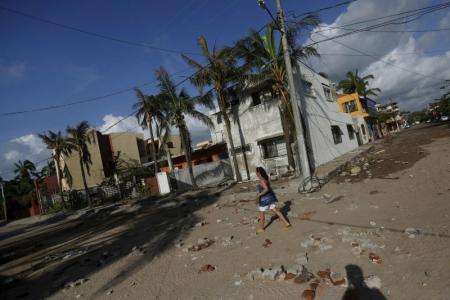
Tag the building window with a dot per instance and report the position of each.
(350, 106)
(256, 99)
(219, 118)
(351, 131)
(337, 134)
(328, 93)
(275, 147)
(307, 87)
(170, 145)
(363, 129)
(246, 148)
(262, 95)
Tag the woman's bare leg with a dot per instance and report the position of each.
(262, 219)
(280, 215)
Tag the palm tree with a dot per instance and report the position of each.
(356, 84)
(78, 139)
(148, 109)
(58, 143)
(263, 54)
(219, 72)
(24, 169)
(180, 105)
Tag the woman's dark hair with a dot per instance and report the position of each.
(263, 173)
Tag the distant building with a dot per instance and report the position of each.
(129, 147)
(392, 120)
(258, 133)
(364, 114)
(173, 145)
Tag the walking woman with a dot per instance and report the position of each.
(266, 199)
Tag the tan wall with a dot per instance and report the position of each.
(126, 143)
(96, 175)
(176, 141)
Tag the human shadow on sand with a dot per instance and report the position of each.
(357, 288)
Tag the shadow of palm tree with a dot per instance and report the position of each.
(49, 258)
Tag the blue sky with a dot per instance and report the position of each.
(41, 64)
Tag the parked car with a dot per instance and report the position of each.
(444, 118)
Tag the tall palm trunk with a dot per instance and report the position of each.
(83, 176)
(237, 172)
(152, 138)
(187, 153)
(242, 140)
(59, 175)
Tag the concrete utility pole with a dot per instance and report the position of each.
(4, 202)
(301, 141)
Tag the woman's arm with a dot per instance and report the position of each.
(265, 188)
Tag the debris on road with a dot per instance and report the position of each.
(307, 215)
(308, 294)
(412, 232)
(374, 258)
(373, 282)
(206, 268)
(201, 244)
(75, 283)
(267, 243)
(200, 224)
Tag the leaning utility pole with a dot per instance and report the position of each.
(301, 141)
(4, 202)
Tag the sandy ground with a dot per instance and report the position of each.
(140, 250)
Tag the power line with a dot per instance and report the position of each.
(292, 13)
(378, 58)
(442, 5)
(369, 28)
(94, 34)
(400, 53)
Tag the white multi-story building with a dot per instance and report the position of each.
(258, 134)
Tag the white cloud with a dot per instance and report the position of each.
(401, 79)
(15, 70)
(29, 147)
(198, 130)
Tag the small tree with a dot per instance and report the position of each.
(180, 105)
(78, 139)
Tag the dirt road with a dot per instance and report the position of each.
(349, 234)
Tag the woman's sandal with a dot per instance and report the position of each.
(287, 227)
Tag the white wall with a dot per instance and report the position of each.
(321, 114)
(263, 121)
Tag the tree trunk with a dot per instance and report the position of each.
(242, 140)
(83, 176)
(187, 153)
(152, 139)
(288, 137)
(169, 159)
(59, 175)
(237, 173)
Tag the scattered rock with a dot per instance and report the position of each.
(109, 292)
(308, 294)
(201, 244)
(137, 251)
(238, 283)
(412, 232)
(228, 241)
(374, 258)
(267, 243)
(355, 170)
(76, 283)
(373, 281)
(307, 215)
(206, 268)
(372, 223)
(200, 224)
(272, 274)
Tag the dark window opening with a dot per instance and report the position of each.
(350, 106)
(246, 148)
(275, 147)
(170, 145)
(363, 129)
(351, 131)
(337, 134)
(256, 99)
(307, 87)
(219, 118)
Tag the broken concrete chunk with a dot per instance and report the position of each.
(206, 268)
(376, 259)
(373, 281)
(201, 244)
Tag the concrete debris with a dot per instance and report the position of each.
(267, 243)
(228, 241)
(272, 274)
(373, 282)
(201, 244)
(200, 224)
(323, 244)
(412, 232)
(302, 259)
(372, 223)
(179, 243)
(137, 251)
(374, 258)
(355, 170)
(307, 215)
(76, 283)
(379, 151)
(238, 283)
(308, 294)
(206, 268)
(109, 292)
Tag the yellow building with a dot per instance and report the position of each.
(351, 104)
